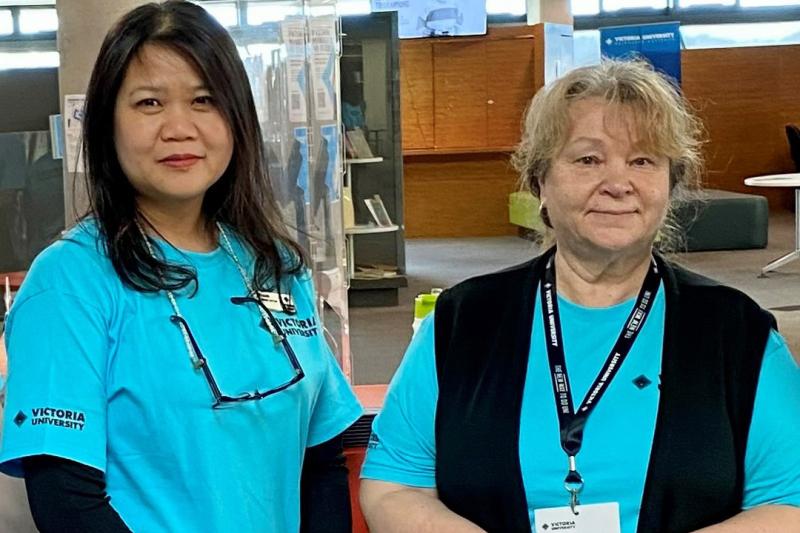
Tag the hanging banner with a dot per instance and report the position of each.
(436, 18)
(660, 44)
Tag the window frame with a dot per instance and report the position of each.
(17, 36)
(703, 14)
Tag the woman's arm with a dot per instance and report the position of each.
(764, 519)
(68, 497)
(391, 507)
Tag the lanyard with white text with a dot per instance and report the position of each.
(572, 422)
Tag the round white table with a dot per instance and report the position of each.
(782, 180)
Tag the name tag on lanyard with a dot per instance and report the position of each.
(272, 301)
(595, 518)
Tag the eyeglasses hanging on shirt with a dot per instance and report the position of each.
(199, 360)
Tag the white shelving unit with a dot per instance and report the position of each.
(359, 229)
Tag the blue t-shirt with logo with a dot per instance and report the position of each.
(98, 374)
(619, 433)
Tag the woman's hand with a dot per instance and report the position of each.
(391, 507)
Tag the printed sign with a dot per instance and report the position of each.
(660, 44)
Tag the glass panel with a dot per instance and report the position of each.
(506, 7)
(766, 3)
(733, 35)
(13, 60)
(36, 20)
(31, 198)
(224, 13)
(258, 14)
(586, 47)
(300, 123)
(585, 7)
(6, 22)
(614, 5)
(691, 3)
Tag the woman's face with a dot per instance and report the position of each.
(171, 140)
(604, 193)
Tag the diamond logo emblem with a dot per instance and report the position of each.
(642, 381)
(20, 418)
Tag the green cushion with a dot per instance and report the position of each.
(523, 210)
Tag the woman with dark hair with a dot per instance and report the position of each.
(167, 369)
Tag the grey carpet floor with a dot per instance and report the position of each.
(379, 335)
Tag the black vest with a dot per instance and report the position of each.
(714, 339)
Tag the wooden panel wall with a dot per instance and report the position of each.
(509, 59)
(745, 96)
(458, 195)
(459, 87)
(416, 94)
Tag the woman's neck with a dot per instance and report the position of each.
(600, 282)
(184, 228)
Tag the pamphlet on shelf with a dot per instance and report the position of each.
(357, 145)
(375, 271)
(378, 211)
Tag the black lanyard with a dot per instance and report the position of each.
(571, 422)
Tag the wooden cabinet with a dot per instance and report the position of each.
(416, 94)
(460, 94)
(510, 89)
(464, 95)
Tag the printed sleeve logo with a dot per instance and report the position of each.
(374, 441)
(63, 418)
(20, 418)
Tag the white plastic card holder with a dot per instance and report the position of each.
(594, 518)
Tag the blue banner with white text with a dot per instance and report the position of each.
(660, 44)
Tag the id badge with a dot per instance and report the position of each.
(272, 302)
(594, 518)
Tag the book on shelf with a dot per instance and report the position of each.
(378, 211)
(375, 271)
(356, 145)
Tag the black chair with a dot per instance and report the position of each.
(793, 135)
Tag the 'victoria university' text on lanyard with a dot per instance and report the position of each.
(572, 422)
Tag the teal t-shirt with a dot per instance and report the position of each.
(619, 434)
(98, 374)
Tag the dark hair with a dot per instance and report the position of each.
(241, 199)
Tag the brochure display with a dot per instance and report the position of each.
(374, 166)
(293, 65)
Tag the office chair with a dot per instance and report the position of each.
(793, 136)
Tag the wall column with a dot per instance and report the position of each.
(82, 25)
(549, 11)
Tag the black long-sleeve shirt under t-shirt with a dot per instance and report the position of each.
(69, 497)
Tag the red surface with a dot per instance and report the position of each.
(355, 457)
(371, 397)
(14, 279)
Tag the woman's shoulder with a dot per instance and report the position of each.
(76, 262)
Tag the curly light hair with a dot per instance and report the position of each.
(664, 121)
